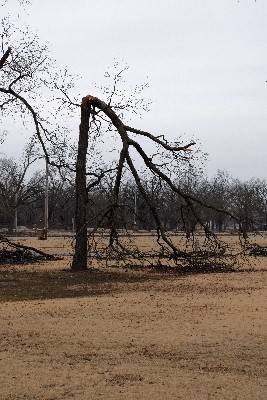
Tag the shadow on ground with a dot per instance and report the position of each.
(16, 285)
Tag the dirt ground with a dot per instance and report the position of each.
(131, 334)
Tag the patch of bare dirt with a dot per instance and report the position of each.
(113, 334)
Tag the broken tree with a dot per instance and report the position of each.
(94, 108)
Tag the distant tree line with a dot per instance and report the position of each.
(22, 198)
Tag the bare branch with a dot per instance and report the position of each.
(160, 142)
(33, 113)
(5, 57)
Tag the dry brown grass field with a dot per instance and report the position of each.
(113, 333)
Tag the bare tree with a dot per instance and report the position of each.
(15, 190)
(159, 164)
(248, 203)
(31, 86)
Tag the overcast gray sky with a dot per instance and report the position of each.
(206, 63)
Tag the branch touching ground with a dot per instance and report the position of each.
(210, 257)
(22, 253)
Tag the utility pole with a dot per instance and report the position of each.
(16, 214)
(46, 201)
(135, 209)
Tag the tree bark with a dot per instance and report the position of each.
(79, 262)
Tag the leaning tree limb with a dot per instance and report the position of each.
(89, 105)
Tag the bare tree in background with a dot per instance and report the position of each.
(31, 87)
(17, 192)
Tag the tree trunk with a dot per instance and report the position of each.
(79, 262)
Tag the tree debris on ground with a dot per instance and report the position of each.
(258, 250)
(14, 253)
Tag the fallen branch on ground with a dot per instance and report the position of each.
(16, 253)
